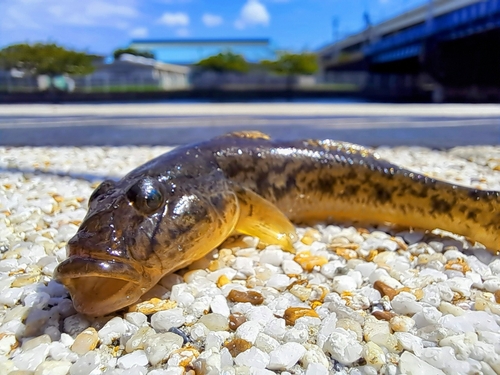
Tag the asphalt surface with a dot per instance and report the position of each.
(135, 124)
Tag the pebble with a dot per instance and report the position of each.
(412, 365)
(343, 346)
(112, 330)
(314, 355)
(278, 281)
(164, 320)
(86, 364)
(215, 322)
(11, 296)
(374, 355)
(138, 339)
(260, 314)
(214, 340)
(236, 320)
(271, 256)
(75, 324)
(253, 357)
(158, 346)
(177, 331)
(266, 343)
(285, 356)
(251, 296)
(293, 313)
(8, 342)
(248, 331)
(136, 318)
(406, 304)
(401, 323)
(30, 359)
(291, 267)
(308, 262)
(34, 342)
(153, 305)
(85, 341)
(137, 357)
(59, 352)
(316, 369)
(276, 328)
(53, 368)
(237, 346)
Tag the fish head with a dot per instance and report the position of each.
(134, 233)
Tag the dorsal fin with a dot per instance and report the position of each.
(253, 134)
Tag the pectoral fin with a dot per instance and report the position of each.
(260, 218)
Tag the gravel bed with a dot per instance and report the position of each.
(353, 300)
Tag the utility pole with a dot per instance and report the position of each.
(335, 28)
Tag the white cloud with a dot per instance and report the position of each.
(35, 14)
(253, 13)
(211, 20)
(138, 32)
(174, 19)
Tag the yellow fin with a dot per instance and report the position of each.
(262, 219)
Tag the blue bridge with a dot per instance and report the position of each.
(443, 46)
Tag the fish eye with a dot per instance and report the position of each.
(146, 195)
(103, 188)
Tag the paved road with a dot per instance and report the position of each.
(137, 124)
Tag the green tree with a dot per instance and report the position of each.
(293, 63)
(132, 51)
(49, 59)
(225, 62)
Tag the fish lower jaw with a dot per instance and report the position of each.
(97, 296)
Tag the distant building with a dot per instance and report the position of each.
(131, 70)
(190, 51)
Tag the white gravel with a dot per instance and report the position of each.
(375, 301)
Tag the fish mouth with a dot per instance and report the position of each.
(99, 286)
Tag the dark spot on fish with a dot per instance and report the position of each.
(440, 205)
(325, 184)
(280, 192)
(382, 194)
(422, 193)
(472, 215)
(263, 183)
(351, 175)
(350, 190)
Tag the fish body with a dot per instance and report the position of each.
(179, 206)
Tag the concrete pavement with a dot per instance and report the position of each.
(431, 125)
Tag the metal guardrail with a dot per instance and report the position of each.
(79, 84)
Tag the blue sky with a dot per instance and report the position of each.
(100, 26)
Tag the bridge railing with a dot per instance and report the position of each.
(481, 15)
